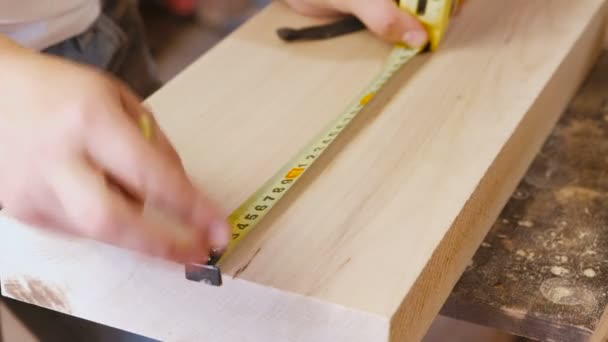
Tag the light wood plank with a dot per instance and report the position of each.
(371, 242)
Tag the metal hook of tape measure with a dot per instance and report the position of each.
(207, 273)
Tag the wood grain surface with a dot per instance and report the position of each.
(371, 242)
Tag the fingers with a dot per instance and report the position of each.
(153, 175)
(94, 210)
(390, 22)
(383, 17)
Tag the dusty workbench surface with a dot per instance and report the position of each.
(542, 271)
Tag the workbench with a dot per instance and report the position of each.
(542, 271)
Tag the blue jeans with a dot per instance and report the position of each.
(115, 43)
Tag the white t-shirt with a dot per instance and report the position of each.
(39, 24)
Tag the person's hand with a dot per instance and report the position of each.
(382, 17)
(73, 159)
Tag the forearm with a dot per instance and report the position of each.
(11, 55)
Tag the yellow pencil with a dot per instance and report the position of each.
(145, 126)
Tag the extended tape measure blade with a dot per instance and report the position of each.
(255, 208)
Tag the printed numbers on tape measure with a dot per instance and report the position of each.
(247, 216)
(365, 100)
(293, 173)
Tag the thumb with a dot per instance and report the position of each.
(390, 22)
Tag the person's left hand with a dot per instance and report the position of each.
(382, 17)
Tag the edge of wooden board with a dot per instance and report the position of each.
(71, 285)
(492, 193)
(601, 332)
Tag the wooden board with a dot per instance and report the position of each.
(369, 245)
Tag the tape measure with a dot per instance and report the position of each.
(434, 15)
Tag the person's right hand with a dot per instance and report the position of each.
(383, 17)
(73, 159)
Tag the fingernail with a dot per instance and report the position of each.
(219, 234)
(415, 38)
